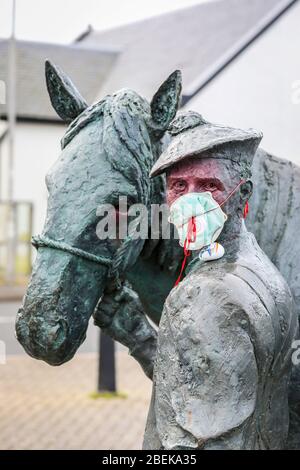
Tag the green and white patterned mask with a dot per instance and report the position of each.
(206, 214)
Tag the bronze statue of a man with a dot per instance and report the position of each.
(223, 358)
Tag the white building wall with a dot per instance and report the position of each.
(261, 89)
(36, 149)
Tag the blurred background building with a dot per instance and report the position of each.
(37, 135)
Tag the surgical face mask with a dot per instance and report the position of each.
(198, 218)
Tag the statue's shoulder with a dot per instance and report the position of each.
(246, 284)
(213, 277)
(235, 290)
(212, 289)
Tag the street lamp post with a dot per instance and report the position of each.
(11, 112)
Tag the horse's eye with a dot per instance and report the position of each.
(122, 208)
(130, 201)
(124, 205)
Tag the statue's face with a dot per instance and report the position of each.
(199, 175)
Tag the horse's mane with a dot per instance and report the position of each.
(88, 115)
(126, 136)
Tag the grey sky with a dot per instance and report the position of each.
(62, 20)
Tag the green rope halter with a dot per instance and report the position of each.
(116, 265)
(43, 241)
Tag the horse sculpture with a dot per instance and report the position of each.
(107, 151)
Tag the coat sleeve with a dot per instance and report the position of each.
(206, 372)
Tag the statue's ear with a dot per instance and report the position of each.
(165, 102)
(246, 190)
(64, 96)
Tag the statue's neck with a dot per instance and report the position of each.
(230, 239)
(230, 235)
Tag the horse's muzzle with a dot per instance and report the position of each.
(46, 340)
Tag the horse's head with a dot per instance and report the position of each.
(107, 152)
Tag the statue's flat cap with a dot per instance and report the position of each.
(192, 136)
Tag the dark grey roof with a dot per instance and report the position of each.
(192, 39)
(87, 67)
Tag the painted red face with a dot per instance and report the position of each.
(198, 175)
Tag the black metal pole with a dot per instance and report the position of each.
(106, 364)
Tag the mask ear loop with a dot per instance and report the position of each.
(226, 199)
(191, 235)
(246, 210)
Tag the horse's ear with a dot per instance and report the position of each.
(64, 96)
(165, 102)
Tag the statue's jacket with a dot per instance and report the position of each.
(223, 359)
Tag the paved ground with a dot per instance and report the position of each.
(44, 407)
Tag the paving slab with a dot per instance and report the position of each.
(45, 407)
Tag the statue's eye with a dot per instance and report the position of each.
(211, 186)
(180, 185)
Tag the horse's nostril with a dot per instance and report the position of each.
(57, 334)
(41, 338)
